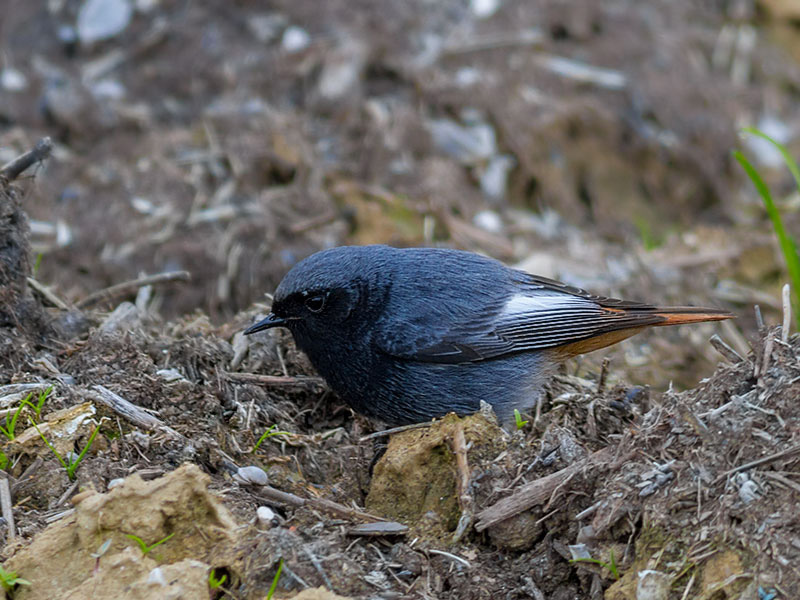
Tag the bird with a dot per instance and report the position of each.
(406, 335)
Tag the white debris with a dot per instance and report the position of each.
(102, 19)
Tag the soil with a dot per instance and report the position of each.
(589, 142)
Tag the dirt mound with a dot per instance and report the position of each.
(108, 547)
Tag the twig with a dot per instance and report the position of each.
(7, 508)
(313, 222)
(129, 411)
(274, 380)
(532, 589)
(27, 474)
(688, 587)
(583, 72)
(759, 318)
(393, 430)
(70, 490)
(540, 491)
(270, 493)
(601, 382)
(465, 502)
(47, 294)
(761, 461)
(784, 480)
(318, 566)
(766, 358)
(127, 287)
(490, 41)
(588, 512)
(787, 313)
(720, 346)
(453, 557)
(11, 170)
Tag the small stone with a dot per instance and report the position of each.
(251, 475)
(102, 19)
(295, 39)
(483, 9)
(488, 220)
(156, 576)
(749, 491)
(115, 483)
(653, 585)
(12, 80)
(265, 517)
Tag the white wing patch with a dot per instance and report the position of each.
(523, 304)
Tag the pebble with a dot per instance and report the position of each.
(295, 39)
(102, 19)
(251, 475)
(265, 517)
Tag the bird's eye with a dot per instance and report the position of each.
(315, 303)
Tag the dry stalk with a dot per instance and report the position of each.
(11, 170)
(274, 380)
(7, 508)
(541, 490)
(465, 501)
(114, 292)
(130, 412)
(273, 495)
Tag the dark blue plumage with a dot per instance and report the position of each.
(406, 335)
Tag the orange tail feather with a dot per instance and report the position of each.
(679, 315)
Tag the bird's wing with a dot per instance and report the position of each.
(540, 314)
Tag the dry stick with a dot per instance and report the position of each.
(459, 445)
(393, 430)
(765, 360)
(787, 313)
(127, 287)
(47, 294)
(7, 510)
(759, 318)
(720, 346)
(10, 171)
(784, 480)
(271, 494)
(453, 557)
(761, 461)
(539, 491)
(27, 474)
(129, 411)
(273, 380)
(601, 382)
(70, 490)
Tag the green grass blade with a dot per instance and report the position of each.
(788, 247)
(138, 540)
(49, 445)
(787, 158)
(73, 466)
(275, 579)
(161, 541)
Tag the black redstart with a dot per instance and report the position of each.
(406, 335)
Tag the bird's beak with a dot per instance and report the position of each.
(272, 320)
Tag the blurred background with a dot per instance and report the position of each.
(586, 141)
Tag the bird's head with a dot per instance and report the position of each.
(322, 292)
